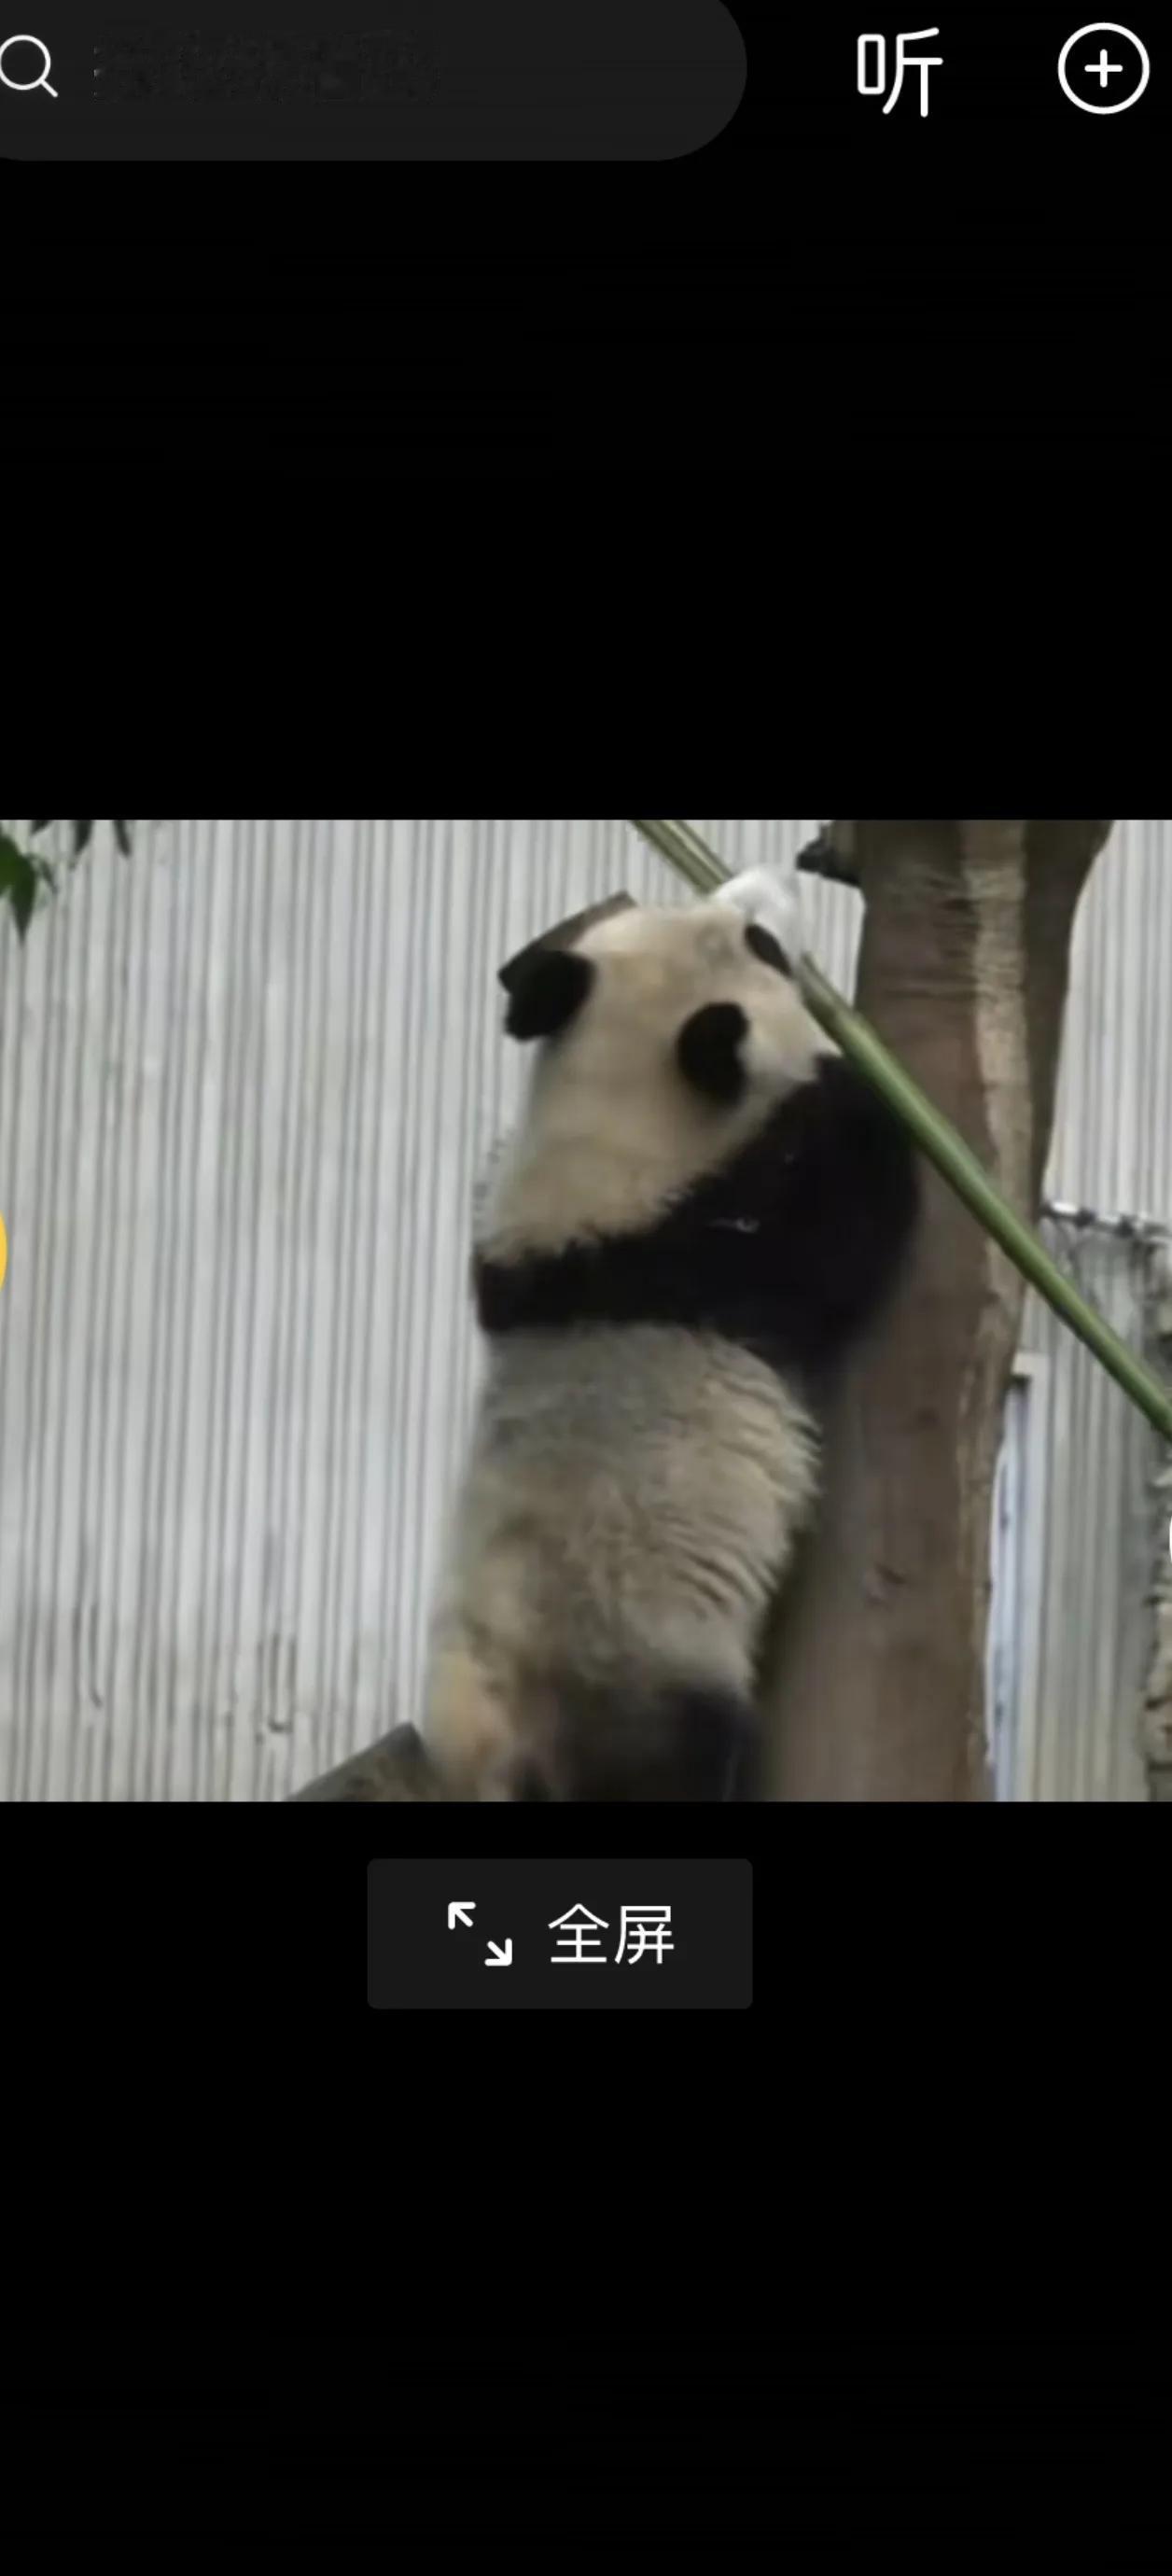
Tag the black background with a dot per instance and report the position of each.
(795, 2440)
(821, 286)
(868, 2254)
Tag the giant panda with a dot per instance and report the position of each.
(701, 1204)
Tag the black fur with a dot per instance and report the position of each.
(708, 1050)
(546, 988)
(787, 1250)
(681, 1744)
(767, 948)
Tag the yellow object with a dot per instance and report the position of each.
(3, 1252)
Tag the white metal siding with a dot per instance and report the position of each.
(246, 1079)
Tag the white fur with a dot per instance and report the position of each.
(630, 1507)
(634, 1491)
(765, 895)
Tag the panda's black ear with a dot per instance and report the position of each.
(709, 1051)
(545, 988)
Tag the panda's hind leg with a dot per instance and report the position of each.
(582, 1743)
(469, 1731)
(676, 1744)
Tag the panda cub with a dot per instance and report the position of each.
(701, 1205)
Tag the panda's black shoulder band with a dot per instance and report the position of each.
(787, 1250)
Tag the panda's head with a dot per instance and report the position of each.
(665, 1040)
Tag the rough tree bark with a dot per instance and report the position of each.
(875, 1673)
(1158, 1698)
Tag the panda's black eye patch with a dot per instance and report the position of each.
(767, 948)
(708, 1051)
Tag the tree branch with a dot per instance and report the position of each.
(395, 1771)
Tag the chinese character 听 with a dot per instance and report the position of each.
(923, 63)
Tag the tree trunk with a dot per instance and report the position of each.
(1158, 1697)
(875, 1674)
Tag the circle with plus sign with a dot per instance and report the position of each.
(1100, 76)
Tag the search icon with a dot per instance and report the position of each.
(42, 80)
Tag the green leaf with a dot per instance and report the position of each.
(20, 877)
(82, 833)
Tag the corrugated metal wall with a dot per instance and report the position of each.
(246, 1080)
(1086, 1621)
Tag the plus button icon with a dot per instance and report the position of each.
(1114, 77)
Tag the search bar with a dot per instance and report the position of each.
(399, 80)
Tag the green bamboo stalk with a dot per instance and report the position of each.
(687, 852)
(678, 843)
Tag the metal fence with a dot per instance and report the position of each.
(246, 1080)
